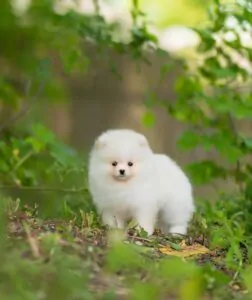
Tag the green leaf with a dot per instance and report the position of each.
(193, 288)
(74, 61)
(148, 119)
(43, 135)
(123, 257)
(175, 246)
(188, 140)
(36, 144)
(165, 69)
(145, 291)
(247, 278)
(248, 142)
(207, 39)
(205, 171)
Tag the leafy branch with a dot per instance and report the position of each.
(43, 189)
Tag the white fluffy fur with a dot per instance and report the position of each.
(154, 191)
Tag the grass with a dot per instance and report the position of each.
(80, 259)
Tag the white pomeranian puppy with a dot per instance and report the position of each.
(128, 181)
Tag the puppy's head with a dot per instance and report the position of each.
(121, 153)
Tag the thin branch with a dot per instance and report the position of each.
(26, 106)
(96, 6)
(238, 163)
(43, 189)
(22, 160)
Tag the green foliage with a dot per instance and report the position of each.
(148, 118)
(215, 96)
(20, 156)
(52, 245)
(31, 157)
(212, 101)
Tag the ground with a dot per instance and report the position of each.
(83, 261)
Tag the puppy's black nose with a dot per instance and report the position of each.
(122, 172)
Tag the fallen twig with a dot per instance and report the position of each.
(25, 108)
(32, 242)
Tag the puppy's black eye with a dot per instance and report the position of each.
(130, 164)
(114, 163)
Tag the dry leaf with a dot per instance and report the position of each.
(186, 251)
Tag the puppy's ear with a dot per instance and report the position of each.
(143, 141)
(100, 143)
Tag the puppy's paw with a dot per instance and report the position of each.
(178, 230)
(146, 220)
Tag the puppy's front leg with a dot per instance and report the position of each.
(178, 229)
(146, 219)
(112, 220)
(108, 219)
